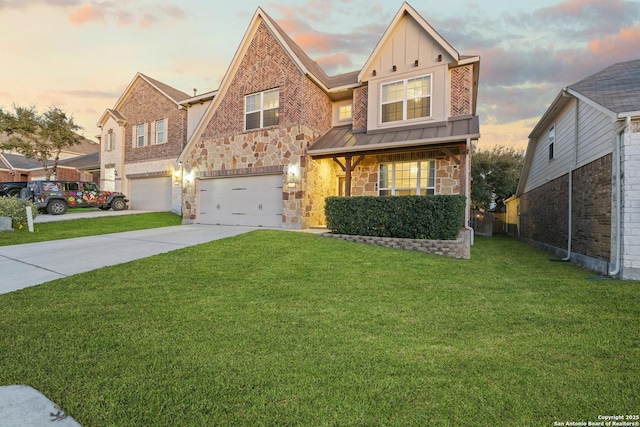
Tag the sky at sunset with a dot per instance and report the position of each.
(80, 55)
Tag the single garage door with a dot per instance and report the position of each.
(152, 194)
(247, 200)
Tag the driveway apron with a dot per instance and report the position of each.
(32, 264)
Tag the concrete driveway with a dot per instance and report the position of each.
(35, 263)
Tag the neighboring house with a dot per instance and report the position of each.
(280, 135)
(141, 138)
(579, 192)
(80, 162)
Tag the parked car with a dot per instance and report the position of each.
(55, 197)
(10, 189)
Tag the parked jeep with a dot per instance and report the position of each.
(55, 197)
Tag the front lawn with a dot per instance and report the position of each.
(284, 328)
(82, 227)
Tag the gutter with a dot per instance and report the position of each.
(618, 161)
(571, 169)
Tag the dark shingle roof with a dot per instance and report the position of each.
(88, 161)
(18, 161)
(329, 81)
(175, 94)
(616, 88)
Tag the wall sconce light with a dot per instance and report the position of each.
(439, 58)
(374, 73)
(415, 64)
(395, 68)
(189, 177)
(115, 172)
(293, 175)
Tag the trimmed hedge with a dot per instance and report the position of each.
(15, 208)
(438, 217)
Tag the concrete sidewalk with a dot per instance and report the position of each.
(31, 264)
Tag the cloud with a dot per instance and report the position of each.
(90, 94)
(81, 12)
(86, 13)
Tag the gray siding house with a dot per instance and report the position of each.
(579, 192)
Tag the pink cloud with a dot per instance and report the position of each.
(333, 62)
(623, 44)
(86, 13)
(315, 42)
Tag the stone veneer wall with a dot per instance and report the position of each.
(324, 174)
(459, 248)
(461, 91)
(225, 148)
(146, 105)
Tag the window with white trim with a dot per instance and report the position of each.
(345, 112)
(406, 99)
(111, 144)
(140, 135)
(552, 140)
(262, 109)
(408, 178)
(161, 135)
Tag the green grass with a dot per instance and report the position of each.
(88, 227)
(283, 328)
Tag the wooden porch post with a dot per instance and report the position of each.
(348, 168)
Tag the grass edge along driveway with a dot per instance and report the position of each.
(283, 328)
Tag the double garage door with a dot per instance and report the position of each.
(247, 200)
(152, 194)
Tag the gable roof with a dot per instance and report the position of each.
(617, 87)
(174, 95)
(20, 162)
(614, 91)
(406, 9)
(302, 61)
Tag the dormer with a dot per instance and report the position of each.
(410, 76)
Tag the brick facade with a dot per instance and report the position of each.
(544, 211)
(360, 104)
(305, 114)
(461, 91)
(145, 104)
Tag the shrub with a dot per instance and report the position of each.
(15, 208)
(414, 217)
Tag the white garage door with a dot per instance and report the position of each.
(152, 194)
(248, 200)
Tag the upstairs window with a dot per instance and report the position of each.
(408, 178)
(140, 135)
(262, 109)
(345, 112)
(161, 136)
(406, 99)
(111, 143)
(552, 140)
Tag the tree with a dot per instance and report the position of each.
(495, 175)
(39, 136)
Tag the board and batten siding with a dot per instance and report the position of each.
(595, 139)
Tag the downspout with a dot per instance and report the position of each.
(618, 162)
(467, 191)
(571, 169)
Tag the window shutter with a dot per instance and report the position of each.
(152, 133)
(166, 130)
(134, 136)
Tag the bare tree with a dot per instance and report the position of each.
(39, 136)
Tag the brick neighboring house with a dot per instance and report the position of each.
(141, 138)
(579, 192)
(80, 162)
(281, 135)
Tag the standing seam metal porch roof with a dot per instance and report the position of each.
(342, 139)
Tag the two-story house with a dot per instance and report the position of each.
(141, 138)
(579, 193)
(281, 135)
